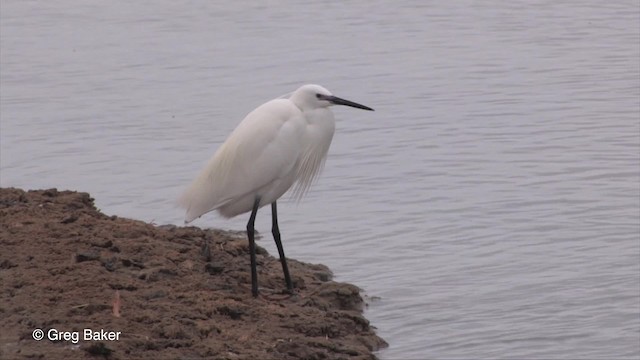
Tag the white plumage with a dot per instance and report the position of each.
(277, 144)
(281, 143)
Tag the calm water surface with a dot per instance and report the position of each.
(489, 207)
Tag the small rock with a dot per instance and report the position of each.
(233, 313)
(98, 349)
(87, 256)
(133, 263)
(50, 192)
(206, 251)
(158, 294)
(103, 244)
(213, 268)
(187, 264)
(6, 264)
(110, 264)
(69, 219)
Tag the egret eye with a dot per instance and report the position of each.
(318, 96)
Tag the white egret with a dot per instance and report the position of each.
(281, 143)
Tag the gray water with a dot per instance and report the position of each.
(489, 207)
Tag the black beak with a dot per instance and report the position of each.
(339, 101)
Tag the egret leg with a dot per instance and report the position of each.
(275, 230)
(252, 247)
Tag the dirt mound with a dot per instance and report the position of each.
(162, 291)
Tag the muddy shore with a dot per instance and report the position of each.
(170, 292)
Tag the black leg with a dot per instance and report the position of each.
(275, 230)
(252, 247)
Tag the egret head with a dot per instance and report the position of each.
(312, 96)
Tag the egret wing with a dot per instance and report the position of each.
(263, 148)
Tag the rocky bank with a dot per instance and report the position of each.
(170, 292)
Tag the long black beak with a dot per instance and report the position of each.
(339, 101)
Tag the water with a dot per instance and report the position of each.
(491, 202)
